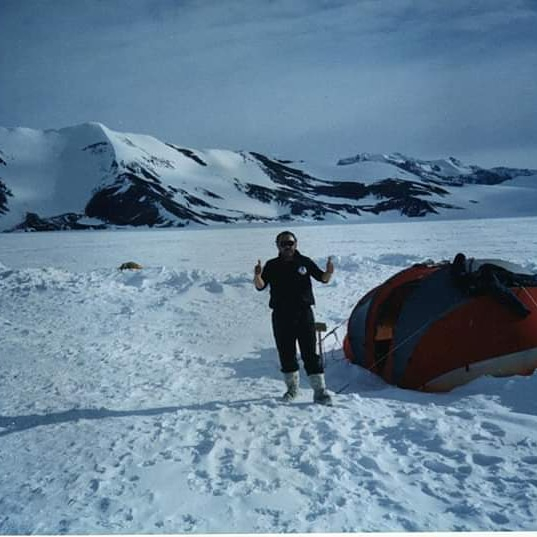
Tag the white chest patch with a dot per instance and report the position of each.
(302, 270)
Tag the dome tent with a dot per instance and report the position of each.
(436, 326)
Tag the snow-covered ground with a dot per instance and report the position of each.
(148, 401)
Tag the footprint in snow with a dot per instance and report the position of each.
(439, 467)
(486, 460)
(493, 429)
(456, 456)
(369, 464)
(463, 414)
(464, 471)
(426, 489)
(478, 437)
(498, 518)
(308, 469)
(64, 526)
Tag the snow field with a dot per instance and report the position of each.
(148, 401)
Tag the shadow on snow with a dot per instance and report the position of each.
(14, 424)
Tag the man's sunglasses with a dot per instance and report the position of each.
(282, 244)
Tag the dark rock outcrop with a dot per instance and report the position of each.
(33, 222)
(4, 194)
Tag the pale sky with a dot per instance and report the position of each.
(297, 79)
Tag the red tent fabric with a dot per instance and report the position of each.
(432, 327)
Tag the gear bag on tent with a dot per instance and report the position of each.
(492, 279)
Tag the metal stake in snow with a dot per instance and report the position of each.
(319, 328)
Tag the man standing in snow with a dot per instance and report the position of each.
(291, 297)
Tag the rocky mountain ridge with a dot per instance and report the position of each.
(90, 177)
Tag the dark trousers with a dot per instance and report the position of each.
(290, 326)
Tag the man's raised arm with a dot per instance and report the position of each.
(327, 274)
(258, 281)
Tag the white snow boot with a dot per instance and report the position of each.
(291, 381)
(320, 394)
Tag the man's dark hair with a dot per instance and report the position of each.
(283, 233)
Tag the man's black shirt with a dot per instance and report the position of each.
(290, 281)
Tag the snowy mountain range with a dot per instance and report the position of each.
(89, 176)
